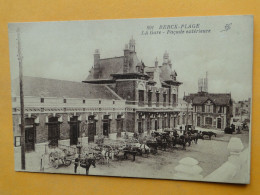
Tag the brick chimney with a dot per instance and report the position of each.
(97, 70)
(126, 59)
(156, 63)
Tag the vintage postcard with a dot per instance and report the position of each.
(164, 98)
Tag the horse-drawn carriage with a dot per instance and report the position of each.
(61, 155)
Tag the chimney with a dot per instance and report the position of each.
(97, 64)
(126, 59)
(165, 58)
(132, 45)
(170, 63)
(156, 63)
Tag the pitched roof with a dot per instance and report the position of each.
(108, 66)
(216, 98)
(149, 69)
(114, 65)
(43, 87)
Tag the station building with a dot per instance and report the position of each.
(65, 112)
(120, 94)
(150, 92)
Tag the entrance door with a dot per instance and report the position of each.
(119, 127)
(105, 128)
(198, 121)
(219, 123)
(140, 127)
(155, 125)
(148, 125)
(53, 131)
(29, 135)
(74, 130)
(91, 131)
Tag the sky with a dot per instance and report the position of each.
(64, 50)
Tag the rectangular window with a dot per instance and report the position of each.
(207, 108)
(164, 99)
(42, 100)
(208, 121)
(141, 97)
(174, 99)
(157, 99)
(149, 98)
(203, 108)
(84, 101)
(64, 101)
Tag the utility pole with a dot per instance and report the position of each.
(20, 59)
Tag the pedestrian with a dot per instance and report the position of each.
(76, 164)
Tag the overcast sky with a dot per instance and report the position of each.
(64, 50)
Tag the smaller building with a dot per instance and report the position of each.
(211, 110)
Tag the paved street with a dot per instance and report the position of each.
(210, 154)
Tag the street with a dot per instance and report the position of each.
(211, 154)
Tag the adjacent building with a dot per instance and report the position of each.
(210, 110)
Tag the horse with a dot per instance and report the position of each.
(153, 145)
(181, 140)
(193, 137)
(142, 149)
(161, 141)
(106, 154)
(87, 162)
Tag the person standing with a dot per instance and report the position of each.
(76, 164)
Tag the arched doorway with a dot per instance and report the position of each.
(119, 125)
(30, 134)
(91, 128)
(106, 125)
(74, 130)
(53, 131)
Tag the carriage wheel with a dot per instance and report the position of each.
(67, 162)
(55, 163)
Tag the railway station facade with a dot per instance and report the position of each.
(120, 94)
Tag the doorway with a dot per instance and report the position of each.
(74, 130)
(91, 129)
(30, 134)
(119, 125)
(106, 126)
(219, 123)
(198, 121)
(53, 131)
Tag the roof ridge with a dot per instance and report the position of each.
(111, 57)
(52, 79)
